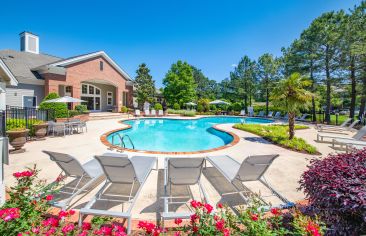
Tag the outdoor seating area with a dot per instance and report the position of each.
(72, 126)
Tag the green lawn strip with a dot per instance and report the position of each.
(278, 134)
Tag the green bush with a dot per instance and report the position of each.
(81, 108)
(213, 108)
(73, 113)
(19, 124)
(278, 134)
(176, 106)
(124, 109)
(205, 103)
(158, 106)
(237, 106)
(182, 112)
(60, 109)
(200, 108)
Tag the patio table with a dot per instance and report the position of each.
(71, 125)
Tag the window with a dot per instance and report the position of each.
(101, 65)
(29, 101)
(84, 89)
(97, 91)
(109, 98)
(68, 89)
(91, 89)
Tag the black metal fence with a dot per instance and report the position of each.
(2, 123)
(25, 116)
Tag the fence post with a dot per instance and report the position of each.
(337, 114)
(26, 116)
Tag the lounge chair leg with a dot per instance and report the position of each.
(128, 225)
(80, 219)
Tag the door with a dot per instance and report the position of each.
(29, 101)
(97, 103)
(89, 102)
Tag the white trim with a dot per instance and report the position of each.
(92, 95)
(29, 96)
(13, 80)
(91, 55)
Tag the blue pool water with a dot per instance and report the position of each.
(173, 135)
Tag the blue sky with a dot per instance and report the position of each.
(211, 35)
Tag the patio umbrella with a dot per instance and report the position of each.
(219, 102)
(65, 99)
(191, 104)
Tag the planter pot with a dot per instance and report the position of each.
(17, 139)
(40, 130)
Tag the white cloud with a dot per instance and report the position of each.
(234, 65)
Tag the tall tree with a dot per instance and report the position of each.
(145, 85)
(267, 71)
(326, 30)
(179, 84)
(204, 85)
(290, 94)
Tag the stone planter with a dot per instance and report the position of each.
(40, 131)
(17, 139)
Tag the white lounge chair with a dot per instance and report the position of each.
(160, 113)
(277, 115)
(137, 113)
(260, 114)
(181, 171)
(153, 112)
(242, 113)
(358, 136)
(120, 170)
(303, 117)
(358, 139)
(270, 114)
(84, 178)
(342, 127)
(251, 169)
(146, 112)
(285, 117)
(351, 147)
(250, 111)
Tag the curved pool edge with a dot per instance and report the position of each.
(103, 139)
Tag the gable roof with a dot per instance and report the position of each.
(75, 59)
(20, 64)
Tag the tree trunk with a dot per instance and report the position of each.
(353, 88)
(363, 97)
(291, 125)
(267, 100)
(313, 108)
(246, 103)
(328, 83)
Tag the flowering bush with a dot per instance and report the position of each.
(251, 221)
(336, 188)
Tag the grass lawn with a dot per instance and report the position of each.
(278, 134)
(341, 118)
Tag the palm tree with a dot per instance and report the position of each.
(291, 95)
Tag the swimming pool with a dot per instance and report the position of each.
(177, 135)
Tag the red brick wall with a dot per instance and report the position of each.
(84, 71)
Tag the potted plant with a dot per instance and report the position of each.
(17, 138)
(40, 129)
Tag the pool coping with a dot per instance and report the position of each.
(103, 139)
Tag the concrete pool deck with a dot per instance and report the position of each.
(283, 174)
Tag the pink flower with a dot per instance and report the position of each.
(254, 217)
(177, 234)
(195, 204)
(9, 214)
(68, 228)
(275, 211)
(226, 232)
(84, 233)
(194, 217)
(49, 197)
(208, 208)
(312, 228)
(220, 225)
(35, 230)
(195, 229)
(148, 227)
(17, 174)
(71, 212)
(219, 205)
(119, 228)
(178, 221)
(106, 230)
(63, 214)
(86, 226)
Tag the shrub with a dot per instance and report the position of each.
(158, 106)
(124, 109)
(19, 124)
(200, 108)
(176, 106)
(336, 189)
(182, 112)
(278, 134)
(205, 103)
(81, 108)
(72, 113)
(237, 106)
(213, 108)
(60, 109)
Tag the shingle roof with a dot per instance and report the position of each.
(21, 63)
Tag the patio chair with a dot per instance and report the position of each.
(251, 169)
(341, 127)
(137, 113)
(146, 112)
(80, 125)
(303, 117)
(181, 171)
(270, 114)
(242, 113)
(153, 112)
(358, 139)
(84, 177)
(358, 136)
(60, 128)
(50, 127)
(130, 173)
(277, 115)
(260, 114)
(160, 113)
(250, 111)
(285, 117)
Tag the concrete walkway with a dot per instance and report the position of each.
(284, 173)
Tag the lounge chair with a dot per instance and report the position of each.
(146, 112)
(260, 114)
(137, 113)
(277, 115)
(120, 170)
(270, 114)
(84, 177)
(160, 113)
(242, 113)
(358, 139)
(285, 117)
(351, 147)
(153, 112)
(303, 117)
(181, 171)
(341, 127)
(250, 111)
(358, 136)
(251, 169)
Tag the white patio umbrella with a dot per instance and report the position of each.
(219, 102)
(191, 104)
(65, 99)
